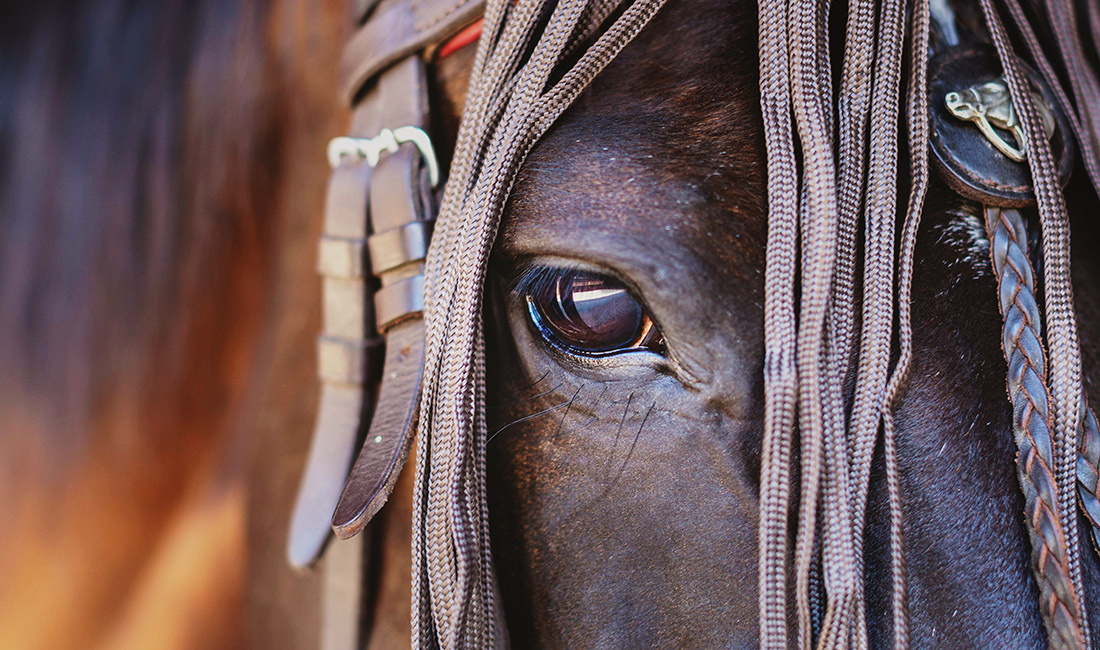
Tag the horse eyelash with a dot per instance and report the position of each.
(535, 277)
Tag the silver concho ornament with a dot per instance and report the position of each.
(989, 105)
(977, 139)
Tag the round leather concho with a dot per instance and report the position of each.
(965, 89)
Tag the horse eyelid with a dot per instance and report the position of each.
(534, 279)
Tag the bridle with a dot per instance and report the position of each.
(1004, 188)
(379, 219)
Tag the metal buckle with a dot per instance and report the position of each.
(387, 140)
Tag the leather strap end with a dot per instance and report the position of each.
(330, 456)
(387, 445)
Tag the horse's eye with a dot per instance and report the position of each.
(588, 313)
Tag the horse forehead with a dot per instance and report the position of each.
(665, 148)
(617, 198)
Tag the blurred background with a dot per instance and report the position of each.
(162, 174)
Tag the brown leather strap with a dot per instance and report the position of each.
(400, 202)
(397, 29)
(361, 200)
(347, 349)
(387, 446)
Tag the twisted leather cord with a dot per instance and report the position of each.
(1028, 393)
(1065, 386)
(1088, 474)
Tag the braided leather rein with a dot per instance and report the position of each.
(1027, 388)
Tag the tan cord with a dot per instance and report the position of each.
(510, 106)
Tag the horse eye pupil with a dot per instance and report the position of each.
(588, 312)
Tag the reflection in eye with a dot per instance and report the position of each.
(587, 313)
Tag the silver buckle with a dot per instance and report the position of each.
(387, 140)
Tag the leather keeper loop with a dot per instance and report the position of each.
(344, 361)
(398, 246)
(346, 310)
(398, 301)
(339, 257)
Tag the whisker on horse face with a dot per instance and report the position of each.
(633, 445)
(517, 389)
(531, 417)
(629, 453)
(619, 431)
(525, 399)
(561, 423)
(595, 416)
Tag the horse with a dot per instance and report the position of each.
(160, 176)
(624, 454)
(623, 482)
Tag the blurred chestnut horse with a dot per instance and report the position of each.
(161, 171)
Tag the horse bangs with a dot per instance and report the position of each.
(833, 202)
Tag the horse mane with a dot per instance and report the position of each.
(139, 164)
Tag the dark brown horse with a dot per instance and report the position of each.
(160, 187)
(624, 487)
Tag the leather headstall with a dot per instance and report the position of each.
(379, 213)
(980, 149)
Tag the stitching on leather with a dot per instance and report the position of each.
(982, 181)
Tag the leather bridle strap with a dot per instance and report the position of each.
(378, 221)
(397, 30)
(379, 213)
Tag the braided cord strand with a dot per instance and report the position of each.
(1084, 138)
(780, 368)
(1030, 423)
(813, 253)
(813, 116)
(878, 300)
(1082, 123)
(918, 123)
(843, 623)
(509, 108)
(1088, 476)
